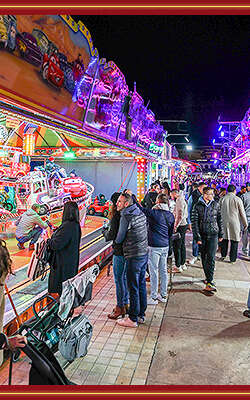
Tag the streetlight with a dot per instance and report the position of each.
(189, 147)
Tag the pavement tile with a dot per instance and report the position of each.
(128, 372)
(93, 379)
(140, 373)
(242, 285)
(110, 347)
(106, 353)
(90, 359)
(123, 380)
(87, 366)
(122, 348)
(113, 341)
(108, 380)
(93, 351)
(98, 369)
(98, 345)
(145, 358)
(129, 364)
(136, 381)
(103, 360)
(132, 356)
(143, 365)
(119, 355)
(116, 362)
(113, 370)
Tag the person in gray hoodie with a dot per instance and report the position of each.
(246, 233)
(29, 227)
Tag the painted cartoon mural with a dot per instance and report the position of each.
(43, 57)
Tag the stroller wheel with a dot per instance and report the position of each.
(16, 355)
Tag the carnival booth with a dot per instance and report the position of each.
(240, 168)
(70, 129)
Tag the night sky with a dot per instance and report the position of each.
(189, 67)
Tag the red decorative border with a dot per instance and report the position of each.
(128, 7)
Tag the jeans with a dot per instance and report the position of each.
(180, 246)
(246, 240)
(233, 249)
(248, 300)
(136, 269)
(157, 261)
(195, 248)
(33, 236)
(120, 277)
(208, 250)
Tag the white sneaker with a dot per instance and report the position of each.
(152, 302)
(184, 267)
(162, 299)
(193, 260)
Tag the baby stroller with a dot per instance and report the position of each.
(46, 329)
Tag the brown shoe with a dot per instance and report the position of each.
(126, 308)
(117, 313)
(31, 247)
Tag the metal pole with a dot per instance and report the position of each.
(13, 305)
(91, 94)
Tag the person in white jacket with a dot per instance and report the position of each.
(181, 226)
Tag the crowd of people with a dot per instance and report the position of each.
(148, 235)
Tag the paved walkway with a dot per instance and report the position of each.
(193, 339)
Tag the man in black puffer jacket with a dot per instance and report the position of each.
(207, 229)
(133, 235)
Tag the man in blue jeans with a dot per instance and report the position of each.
(193, 199)
(132, 234)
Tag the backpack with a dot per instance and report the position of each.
(41, 258)
(75, 338)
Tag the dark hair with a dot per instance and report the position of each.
(243, 187)
(128, 198)
(247, 184)
(231, 188)
(181, 186)
(162, 198)
(70, 212)
(5, 260)
(222, 189)
(114, 198)
(201, 184)
(207, 189)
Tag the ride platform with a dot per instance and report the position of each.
(93, 250)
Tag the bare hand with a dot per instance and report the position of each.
(199, 242)
(190, 227)
(220, 239)
(77, 311)
(17, 341)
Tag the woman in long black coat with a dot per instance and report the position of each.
(65, 242)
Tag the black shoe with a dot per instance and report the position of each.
(246, 313)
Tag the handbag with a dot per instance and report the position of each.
(75, 338)
(40, 260)
(176, 236)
